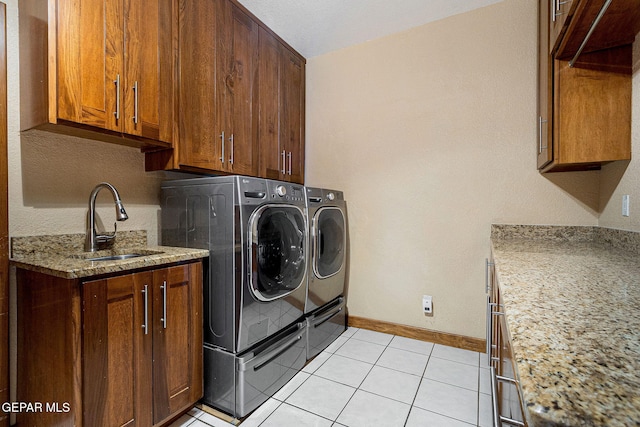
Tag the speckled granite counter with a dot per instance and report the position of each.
(572, 305)
(64, 256)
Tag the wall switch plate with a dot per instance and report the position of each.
(625, 205)
(427, 305)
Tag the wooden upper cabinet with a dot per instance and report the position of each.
(148, 90)
(238, 67)
(111, 66)
(198, 144)
(269, 94)
(241, 92)
(292, 116)
(584, 107)
(281, 110)
(218, 56)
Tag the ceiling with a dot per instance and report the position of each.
(315, 27)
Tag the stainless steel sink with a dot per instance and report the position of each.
(114, 257)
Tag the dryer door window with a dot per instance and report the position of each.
(329, 242)
(277, 243)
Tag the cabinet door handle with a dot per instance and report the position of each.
(164, 304)
(222, 148)
(494, 398)
(487, 265)
(489, 333)
(283, 163)
(498, 419)
(232, 148)
(117, 83)
(540, 122)
(289, 156)
(135, 103)
(557, 12)
(145, 326)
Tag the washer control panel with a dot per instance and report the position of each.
(285, 191)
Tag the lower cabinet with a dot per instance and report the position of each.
(120, 350)
(505, 389)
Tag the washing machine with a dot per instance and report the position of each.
(256, 231)
(326, 304)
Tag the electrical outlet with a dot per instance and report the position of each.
(427, 305)
(625, 205)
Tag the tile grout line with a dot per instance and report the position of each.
(415, 396)
(358, 388)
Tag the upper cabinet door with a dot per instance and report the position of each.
(113, 66)
(292, 115)
(90, 41)
(238, 65)
(271, 163)
(241, 97)
(281, 111)
(199, 142)
(218, 69)
(148, 87)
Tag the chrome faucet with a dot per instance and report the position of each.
(93, 240)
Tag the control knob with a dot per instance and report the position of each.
(281, 190)
(331, 197)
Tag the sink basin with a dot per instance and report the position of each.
(114, 257)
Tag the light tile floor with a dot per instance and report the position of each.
(368, 378)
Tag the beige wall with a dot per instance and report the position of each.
(431, 135)
(624, 177)
(53, 175)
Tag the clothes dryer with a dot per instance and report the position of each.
(325, 306)
(255, 281)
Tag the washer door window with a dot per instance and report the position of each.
(277, 245)
(329, 242)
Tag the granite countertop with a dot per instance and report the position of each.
(64, 256)
(572, 306)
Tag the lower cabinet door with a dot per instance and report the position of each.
(142, 346)
(177, 339)
(116, 352)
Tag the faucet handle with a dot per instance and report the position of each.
(107, 238)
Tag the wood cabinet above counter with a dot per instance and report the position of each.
(584, 83)
(186, 82)
(99, 69)
(241, 102)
